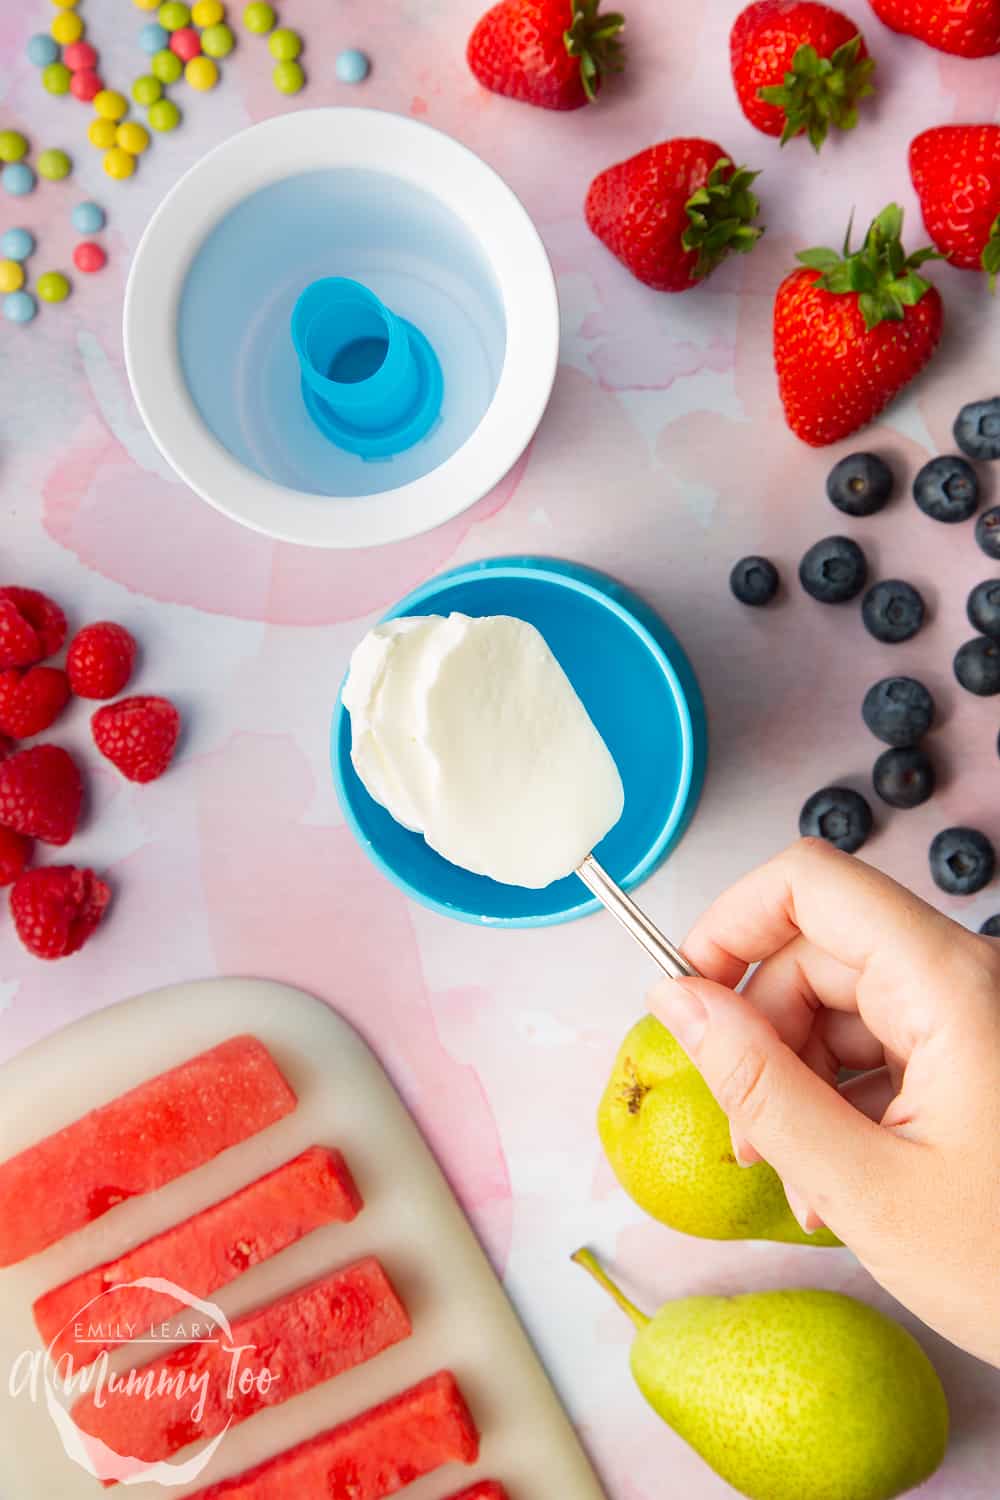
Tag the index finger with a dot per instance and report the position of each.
(841, 905)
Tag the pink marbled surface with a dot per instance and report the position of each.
(662, 458)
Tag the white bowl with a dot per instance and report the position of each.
(366, 141)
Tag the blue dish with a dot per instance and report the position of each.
(639, 689)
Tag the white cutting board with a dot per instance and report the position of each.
(461, 1318)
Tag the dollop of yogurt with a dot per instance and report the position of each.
(468, 731)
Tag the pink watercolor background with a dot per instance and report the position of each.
(662, 458)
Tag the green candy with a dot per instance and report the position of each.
(285, 44)
(164, 115)
(259, 17)
(56, 78)
(166, 66)
(54, 165)
(147, 89)
(12, 145)
(172, 15)
(288, 77)
(52, 286)
(217, 41)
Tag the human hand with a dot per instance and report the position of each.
(855, 972)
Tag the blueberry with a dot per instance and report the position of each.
(898, 710)
(947, 489)
(833, 570)
(859, 484)
(839, 815)
(962, 861)
(904, 778)
(988, 531)
(977, 666)
(754, 580)
(991, 927)
(983, 608)
(892, 611)
(977, 429)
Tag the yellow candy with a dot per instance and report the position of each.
(110, 105)
(64, 4)
(207, 12)
(11, 276)
(102, 133)
(132, 137)
(119, 164)
(201, 73)
(145, 4)
(66, 27)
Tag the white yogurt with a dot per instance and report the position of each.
(469, 732)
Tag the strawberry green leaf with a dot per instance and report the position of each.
(722, 215)
(881, 274)
(991, 254)
(818, 92)
(594, 39)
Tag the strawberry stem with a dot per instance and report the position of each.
(991, 254)
(818, 92)
(594, 39)
(722, 214)
(881, 274)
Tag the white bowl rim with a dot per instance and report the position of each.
(313, 140)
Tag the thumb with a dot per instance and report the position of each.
(824, 1150)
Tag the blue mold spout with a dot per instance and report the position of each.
(370, 380)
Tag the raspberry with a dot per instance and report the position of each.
(7, 747)
(41, 792)
(30, 701)
(138, 735)
(14, 851)
(44, 617)
(19, 643)
(100, 660)
(56, 908)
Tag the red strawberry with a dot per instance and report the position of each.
(799, 67)
(138, 735)
(41, 793)
(968, 28)
(56, 908)
(547, 52)
(100, 660)
(956, 172)
(14, 852)
(44, 617)
(849, 333)
(30, 701)
(674, 211)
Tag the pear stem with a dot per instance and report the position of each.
(590, 1263)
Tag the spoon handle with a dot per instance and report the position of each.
(660, 949)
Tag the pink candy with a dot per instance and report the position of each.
(89, 257)
(80, 57)
(85, 85)
(186, 43)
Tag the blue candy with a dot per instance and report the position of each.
(42, 50)
(18, 178)
(16, 244)
(88, 218)
(153, 38)
(19, 307)
(352, 66)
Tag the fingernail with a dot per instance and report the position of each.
(800, 1208)
(744, 1153)
(683, 1013)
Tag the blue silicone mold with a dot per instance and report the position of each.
(639, 689)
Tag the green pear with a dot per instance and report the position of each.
(793, 1395)
(669, 1146)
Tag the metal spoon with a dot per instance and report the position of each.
(660, 949)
